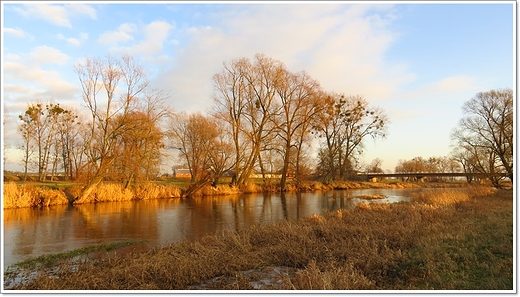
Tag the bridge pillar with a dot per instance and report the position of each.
(373, 179)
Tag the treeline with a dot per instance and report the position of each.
(432, 164)
(264, 119)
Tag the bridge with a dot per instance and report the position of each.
(422, 175)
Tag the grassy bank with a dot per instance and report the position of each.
(19, 195)
(461, 239)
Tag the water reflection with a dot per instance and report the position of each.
(33, 232)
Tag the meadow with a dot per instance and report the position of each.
(458, 239)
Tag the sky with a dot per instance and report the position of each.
(418, 61)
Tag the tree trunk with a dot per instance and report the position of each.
(87, 190)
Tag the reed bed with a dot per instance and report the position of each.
(426, 244)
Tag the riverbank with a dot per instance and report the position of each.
(459, 239)
(23, 195)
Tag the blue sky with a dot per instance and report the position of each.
(419, 61)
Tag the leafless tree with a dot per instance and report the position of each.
(486, 133)
(195, 136)
(298, 95)
(345, 123)
(123, 81)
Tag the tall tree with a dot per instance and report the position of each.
(298, 95)
(345, 124)
(123, 81)
(245, 99)
(486, 132)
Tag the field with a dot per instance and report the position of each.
(460, 239)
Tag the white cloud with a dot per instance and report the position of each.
(155, 35)
(341, 46)
(57, 14)
(455, 83)
(79, 9)
(458, 86)
(25, 78)
(15, 32)
(75, 41)
(121, 35)
(45, 54)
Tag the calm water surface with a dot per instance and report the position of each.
(30, 233)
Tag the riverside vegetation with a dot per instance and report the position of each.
(456, 239)
(19, 195)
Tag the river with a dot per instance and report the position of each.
(29, 233)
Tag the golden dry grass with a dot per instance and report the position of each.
(433, 245)
(153, 191)
(29, 196)
(16, 196)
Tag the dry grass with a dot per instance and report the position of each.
(111, 192)
(29, 196)
(218, 190)
(462, 245)
(16, 196)
(153, 191)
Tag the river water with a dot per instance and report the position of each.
(30, 233)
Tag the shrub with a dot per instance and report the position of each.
(29, 196)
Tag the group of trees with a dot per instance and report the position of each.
(432, 164)
(483, 141)
(265, 119)
(49, 140)
(271, 115)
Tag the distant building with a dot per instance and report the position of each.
(182, 173)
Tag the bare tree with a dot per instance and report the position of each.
(297, 94)
(230, 102)
(345, 124)
(195, 137)
(245, 100)
(123, 81)
(486, 133)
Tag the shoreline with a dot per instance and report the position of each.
(432, 243)
(29, 195)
